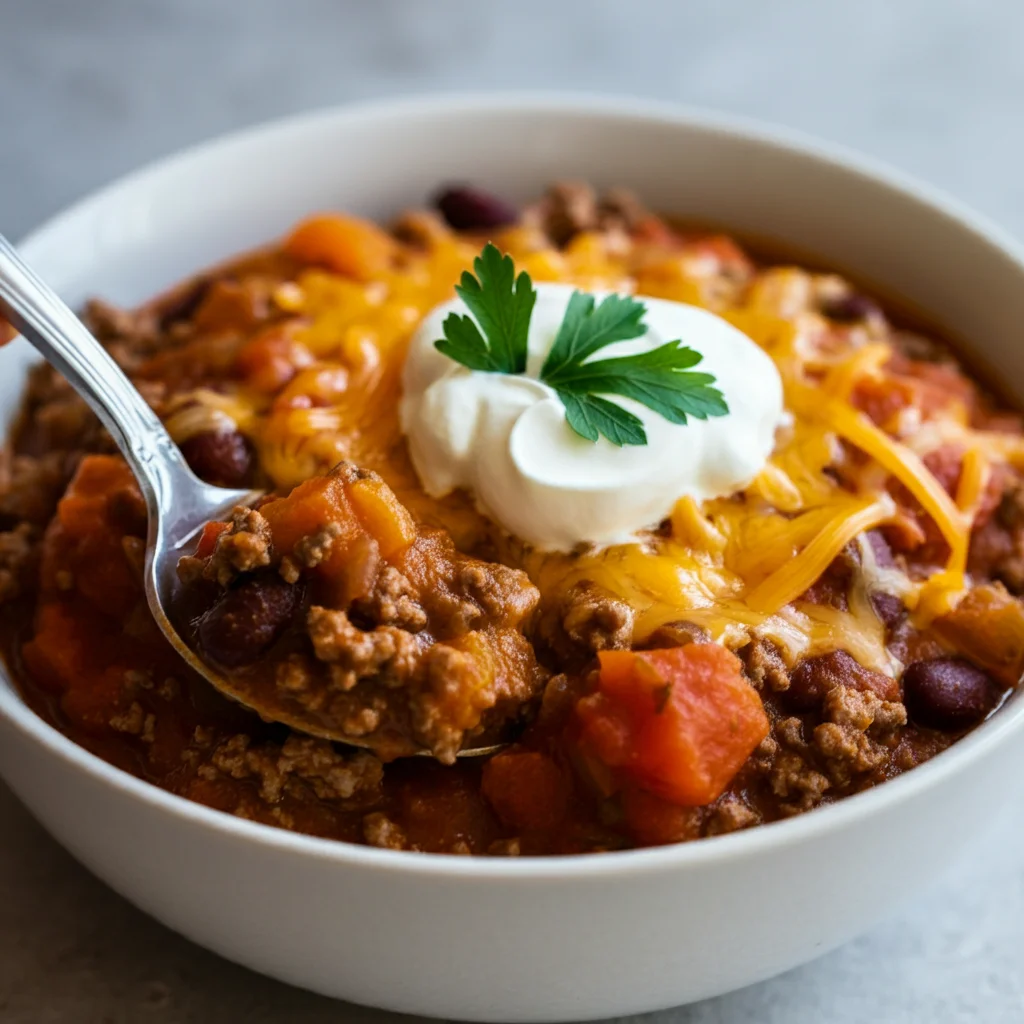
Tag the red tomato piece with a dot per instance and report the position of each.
(527, 790)
(677, 722)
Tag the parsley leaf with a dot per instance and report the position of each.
(658, 379)
(494, 340)
(502, 304)
(591, 416)
(586, 329)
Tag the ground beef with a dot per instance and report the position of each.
(729, 815)
(301, 762)
(798, 784)
(18, 554)
(312, 550)
(379, 830)
(572, 207)
(110, 323)
(386, 653)
(588, 619)
(505, 848)
(244, 547)
(858, 733)
(676, 634)
(766, 668)
(392, 602)
(420, 228)
(30, 487)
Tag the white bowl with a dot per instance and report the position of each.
(523, 939)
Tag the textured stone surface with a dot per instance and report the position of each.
(91, 88)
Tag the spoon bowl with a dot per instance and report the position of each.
(179, 504)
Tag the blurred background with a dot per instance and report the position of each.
(90, 89)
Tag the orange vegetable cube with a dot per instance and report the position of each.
(208, 538)
(346, 245)
(308, 509)
(364, 509)
(83, 509)
(678, 722)
(385, 518)
(657, 822)
(526, 789)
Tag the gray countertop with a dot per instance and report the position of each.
(91, 88)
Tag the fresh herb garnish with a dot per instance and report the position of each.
(502, 304)
(659, 379)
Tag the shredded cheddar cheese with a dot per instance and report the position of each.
(737, 565)
(789, 582)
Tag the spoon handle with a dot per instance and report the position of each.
(42, 317)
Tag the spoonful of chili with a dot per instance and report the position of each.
(432, 693)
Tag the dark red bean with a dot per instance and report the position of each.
(247, 620)
(889, 609)
(469, 209)
(851, 308)
(221, 457)
(880, 548)
(947, 693)
(814, 677)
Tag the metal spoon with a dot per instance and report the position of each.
(178, 502)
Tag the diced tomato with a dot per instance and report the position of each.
(83, 509)
(441, 810)
(84, 549)
(272, 358)
(653, 821)
(527, 790)
(208, 540)
(62, 647)
(678, 722)
(882, 399)
(347, 245)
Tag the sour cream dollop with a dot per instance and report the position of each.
(505, 438)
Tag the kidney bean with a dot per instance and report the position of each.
(889, 609)
(814, 677)
(880, 549)
(247, 620)
(221, 457)
(850, 308)
(469, 209)
(947, 693)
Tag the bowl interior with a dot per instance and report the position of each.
(164, 223)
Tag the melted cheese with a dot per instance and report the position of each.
(737, 565)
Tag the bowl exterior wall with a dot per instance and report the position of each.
(522, 949)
